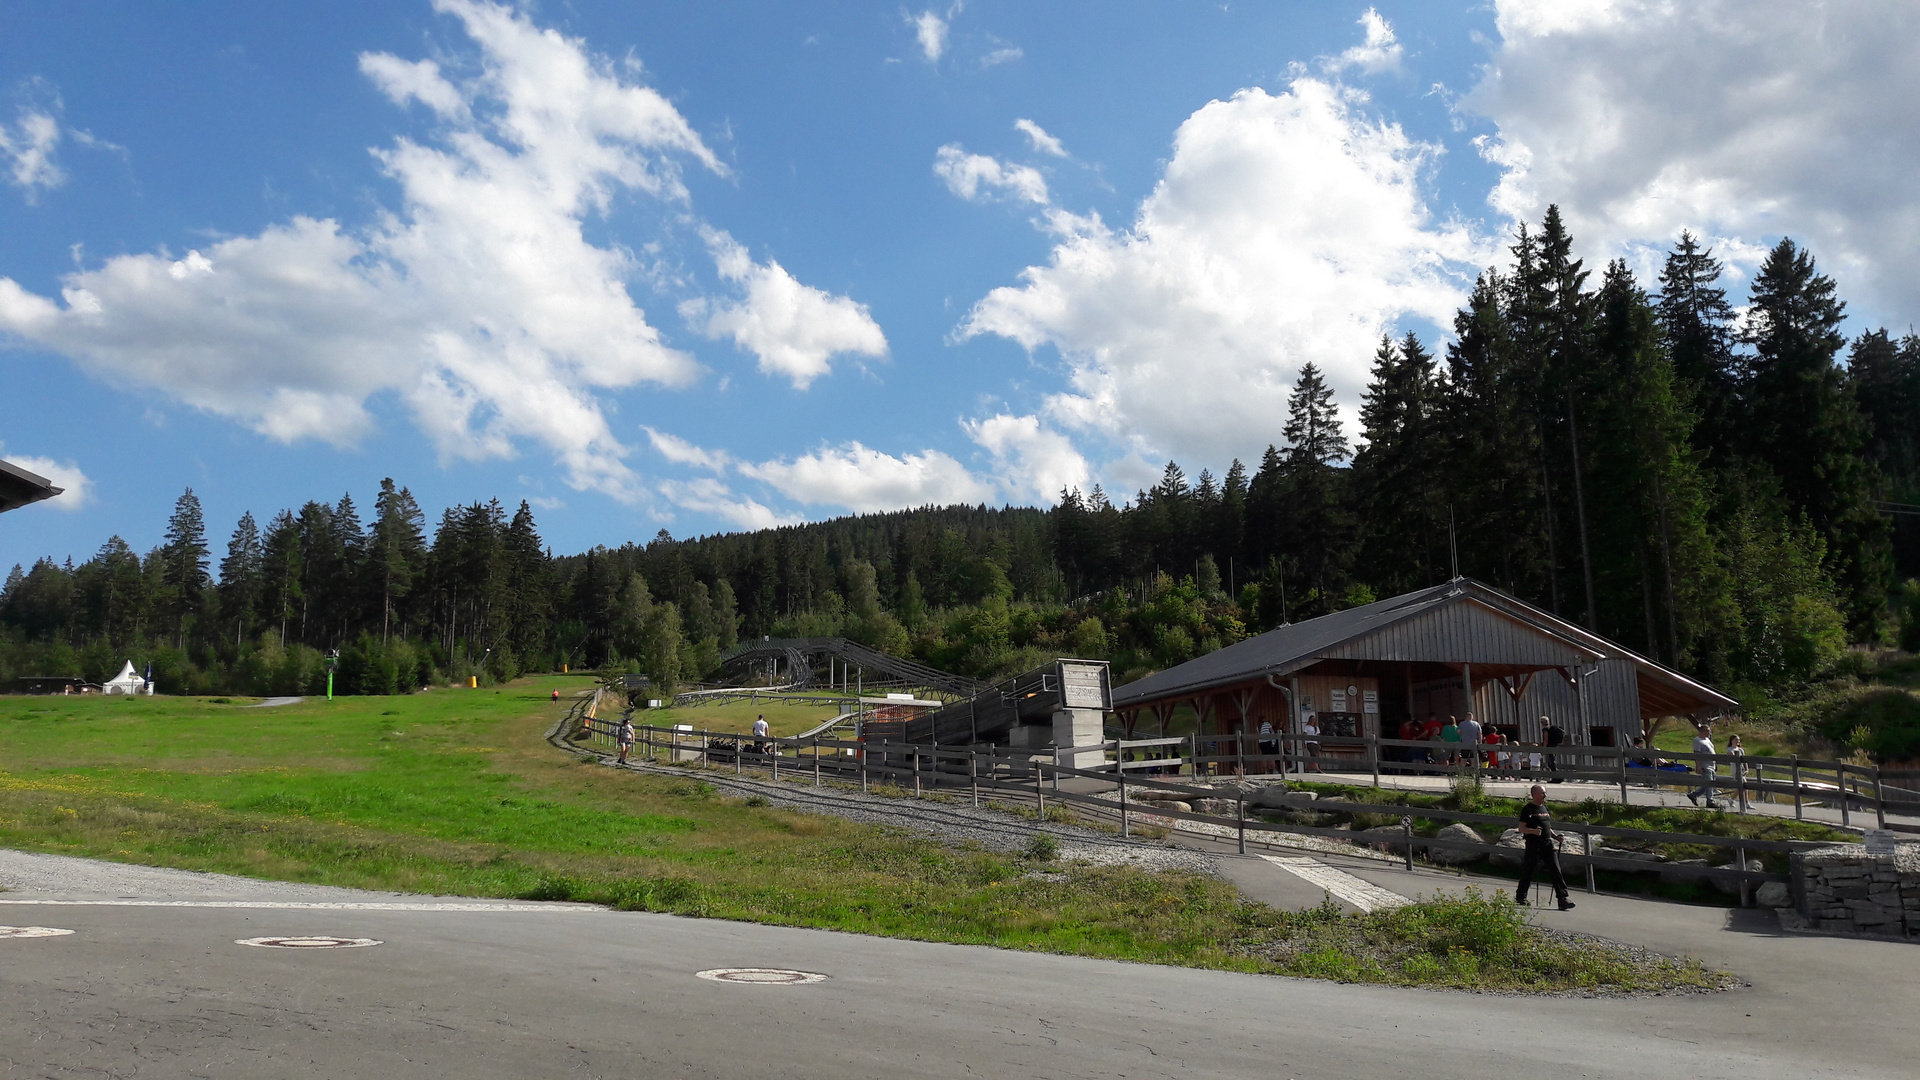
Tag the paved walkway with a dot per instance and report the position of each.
(498, 991)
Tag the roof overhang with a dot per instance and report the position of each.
(18, 487)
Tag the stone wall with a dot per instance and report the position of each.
(1842, 889)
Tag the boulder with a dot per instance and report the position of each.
(1277, 797)
(1679, 873)
(1388, 838)
(1459, 831)
(1217, 807)
(1732, 887)
(1512, 845)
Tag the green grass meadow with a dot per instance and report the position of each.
(455, 791)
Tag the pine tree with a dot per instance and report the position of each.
(1318, 527)
(397, 549)
(1697, 322)
(184, 563)
(240, 577)
(1398, 475)
(1807, 427)
(283, 572)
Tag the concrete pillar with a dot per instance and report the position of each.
(1080, 727)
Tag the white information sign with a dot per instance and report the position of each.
(1083, 686)
(1370, 701)
(1879, 841)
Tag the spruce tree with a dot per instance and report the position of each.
(240, 577)
(184, 563)
(1317, 525)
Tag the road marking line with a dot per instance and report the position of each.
(305, 905)
(1364, 895)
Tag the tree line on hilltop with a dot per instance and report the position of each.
(1720, 489)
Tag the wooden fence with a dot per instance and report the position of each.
(1127, 771)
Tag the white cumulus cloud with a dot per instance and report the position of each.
(1033, 462)
(27, 146)
(1378, 51)
(867, 481)
(76, 487)
(977, 176)
(930, 30)
(681, 452)
(1042, 142)
(709, 496)
(480, 303)
(1286, 228)
(1739, 120)
(794, 329)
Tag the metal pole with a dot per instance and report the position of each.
(1798, 812)
(1879, 800)
(1840, 776)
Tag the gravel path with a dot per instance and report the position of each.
(953, 823)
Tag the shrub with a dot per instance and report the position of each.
(1043, 848)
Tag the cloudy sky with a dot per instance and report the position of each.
(715, 266)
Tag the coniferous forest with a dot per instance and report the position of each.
(1722, 482)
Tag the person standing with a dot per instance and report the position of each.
(1310, 746)
(1269, 746)
(624, 737)
(760, 733)
(1703, 744)
(1536, 828)
(1470, 737)
(1451, 735)
(1738, 753)
(1551, 734)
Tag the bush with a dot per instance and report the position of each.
(1043, 848)
(1884, 721)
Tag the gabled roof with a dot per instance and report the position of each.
(1290, 648)
(18, 487)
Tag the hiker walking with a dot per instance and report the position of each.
(1536, 826)
(624, 737)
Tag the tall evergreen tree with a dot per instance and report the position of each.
(1319, 528)
(184, 563)
(1807, 427)
(240, 577)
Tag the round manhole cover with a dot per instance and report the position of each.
(32, 931)
(308, 942)
(762, 976)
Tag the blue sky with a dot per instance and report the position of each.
(707, 267)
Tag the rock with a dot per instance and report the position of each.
(1167, 804)
(1682, 872)
(1773, 894)
(1459, 831)
(1388, 838)
(1731, 887)
(1512, 845)
(1277, 797)
(1217, 807)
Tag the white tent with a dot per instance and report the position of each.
(127, 682)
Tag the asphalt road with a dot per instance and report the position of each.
(567, 992)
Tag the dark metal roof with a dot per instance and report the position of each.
(18, 487)
(1290, 648)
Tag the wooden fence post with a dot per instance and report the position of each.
(973, 775)
(774, 745)
(1124, 831)
(1586, 845)
(1193, 752)
(863, 766)
(1879, 800)
(1798, 813)
(1406, 828)
(916, 772)
(1840, 778)
(1373, 752)
(1039, 791)
(1620, 764)
(1240, 812)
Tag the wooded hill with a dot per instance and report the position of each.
(1728, 494)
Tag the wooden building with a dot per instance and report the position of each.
(1445, 651)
